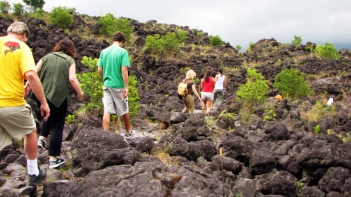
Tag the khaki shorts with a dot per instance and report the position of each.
(114, 102)
(15, 123)
(207, 96)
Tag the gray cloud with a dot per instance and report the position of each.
(238, 22)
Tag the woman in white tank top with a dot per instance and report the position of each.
(220, 86)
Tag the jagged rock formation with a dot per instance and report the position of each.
(282, 157)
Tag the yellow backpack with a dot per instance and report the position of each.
(183, 88)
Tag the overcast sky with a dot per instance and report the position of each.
(238, 22)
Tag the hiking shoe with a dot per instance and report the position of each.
(41, 144)
(130, 134)
(34, 180)
(57, 163)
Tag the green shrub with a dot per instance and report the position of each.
(254, 91)
(182, 36)
(297, 40)
(215, 40)
(291, 83)
(90, 63)
(18, 9)
(110, 25)
(154, 44)
(170, 44)
(327, 51)
(5, 7)
(238, 47)
(317, 129)
(133, 96)
(61, 17)
(35, 4)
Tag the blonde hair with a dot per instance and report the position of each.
(190, 74)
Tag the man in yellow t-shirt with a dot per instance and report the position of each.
(16, 119)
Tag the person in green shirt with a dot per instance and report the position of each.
(56, 71)
(113, 69)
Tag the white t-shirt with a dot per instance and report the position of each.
(220, 82)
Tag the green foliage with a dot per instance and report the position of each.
(254, 91)
(110, 25)
(35, 4)
(317, 129)
(18, 9)
(70, 118)
(182, 36)
(270, 115)
(5, 7)
(38, 13)
(215, 40)
(309, 47)
(238, 47)
(133, 96)
(251, 46)
(61, 17)
(170, 43)
(90, 63)
(327, 51)
(154, 44)
(297, 40)
(292, 83)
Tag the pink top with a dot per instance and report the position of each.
(208, 86)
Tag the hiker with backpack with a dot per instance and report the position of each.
(207, 86)
(187, 97)
(220, 86)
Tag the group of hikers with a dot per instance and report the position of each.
(48, 82)
(211, 90)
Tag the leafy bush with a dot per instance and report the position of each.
(133, 96)
(297, 40)
(327, 51)
(18, 9)
(215, 40)
(5, 7)
(35, 4)
(61, 17)
(90, 62)
(292, 83)
(182, 35)
(170, 43)
(110, 25)
(154, 44)
(254, 91)
(238, 47)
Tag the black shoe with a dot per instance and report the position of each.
(34, 180)
(57, 163)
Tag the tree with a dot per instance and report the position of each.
(182, 36)
(297, 40)
(5, 7)
(35, 4)
(154, 44)
(254, 91)
(292, 83)
(110, 25)
(170, 43)
(61, 17)
(215, 40)
(327, 51)
(18, 9)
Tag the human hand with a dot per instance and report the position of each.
(26, 89)
(45, 111)
(80, 96)
(125, 93)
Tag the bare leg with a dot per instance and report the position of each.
(31, 145)
(106, 122)
(204, 106)
(209, 106)
(126, 121)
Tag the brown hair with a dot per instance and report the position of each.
(119, 37)
(207, 75)
(65, 45)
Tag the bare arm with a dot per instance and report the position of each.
(37, 88)
(125, 79)
(100, 71)
(27, 86)
(195, 92)
(74, 81)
